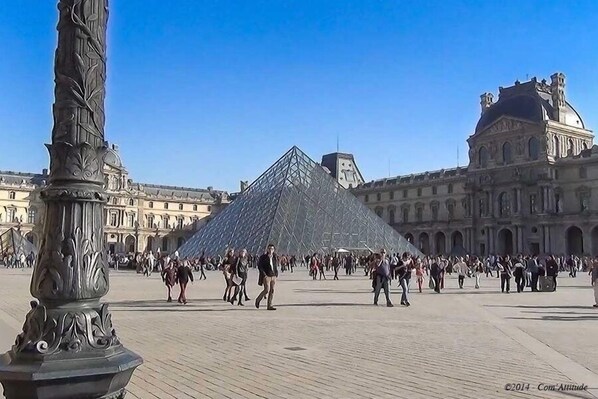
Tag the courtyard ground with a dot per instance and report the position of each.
(327, 340)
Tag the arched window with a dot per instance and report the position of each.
(165, 244)
(194, 207)
(151, 204)
(31, 215)
(391, 216)
(533, 148)
(450, 188)
(570, 147)
(131, 201)
(434, 208)
(585, 146)
(12, 195)
(405, 215)
(180, 207)
(557, 147)
(483, 157)
(504, 202)
(115, 201)
(507, 155)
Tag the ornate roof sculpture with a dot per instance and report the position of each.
(301, 209)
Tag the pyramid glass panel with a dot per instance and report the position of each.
(300, 208)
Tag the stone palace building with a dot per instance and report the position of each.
(531, 185)
(138, 217)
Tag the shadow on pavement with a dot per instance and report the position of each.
(157, 302)
(331, 291)
(541, 306)
(308, 305)
(556, 318)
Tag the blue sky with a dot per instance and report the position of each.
(206, 93)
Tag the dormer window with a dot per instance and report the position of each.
(533, 148)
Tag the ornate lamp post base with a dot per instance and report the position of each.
(85, 378)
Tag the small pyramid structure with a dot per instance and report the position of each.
(301, 209)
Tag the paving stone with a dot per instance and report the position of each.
(459, 344)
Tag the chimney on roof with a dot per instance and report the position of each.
(210, 188)
(244, 185)
(44, 172)
(486, 100)
(557, 89)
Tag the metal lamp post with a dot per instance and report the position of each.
(68, 347)
(136, 237)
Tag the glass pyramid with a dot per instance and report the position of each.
(11, 241)
(300, 208)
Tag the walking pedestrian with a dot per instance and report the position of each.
(552, 269)
(169, 278)
(504, 265)
(462, 270)
(382, 276)
(594, 277)
(518, 273)
(240, 270)
(183, 274)
(268, 268)
(202, 263)
(226, 271)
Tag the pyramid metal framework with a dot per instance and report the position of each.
(300, 208)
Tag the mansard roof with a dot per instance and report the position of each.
(531, 101)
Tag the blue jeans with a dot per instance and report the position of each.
(404, 287)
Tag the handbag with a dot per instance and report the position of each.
(237, 280)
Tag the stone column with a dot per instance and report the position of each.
(520, 240)
(68, 347)
(519, 202)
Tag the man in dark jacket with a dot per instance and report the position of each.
(183, 274)
(268, 268)
(552, 269)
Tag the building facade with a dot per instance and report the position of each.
(138, 217)
(531, 185)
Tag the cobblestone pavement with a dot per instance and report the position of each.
(327, 340)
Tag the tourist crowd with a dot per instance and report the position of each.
(528, 272)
